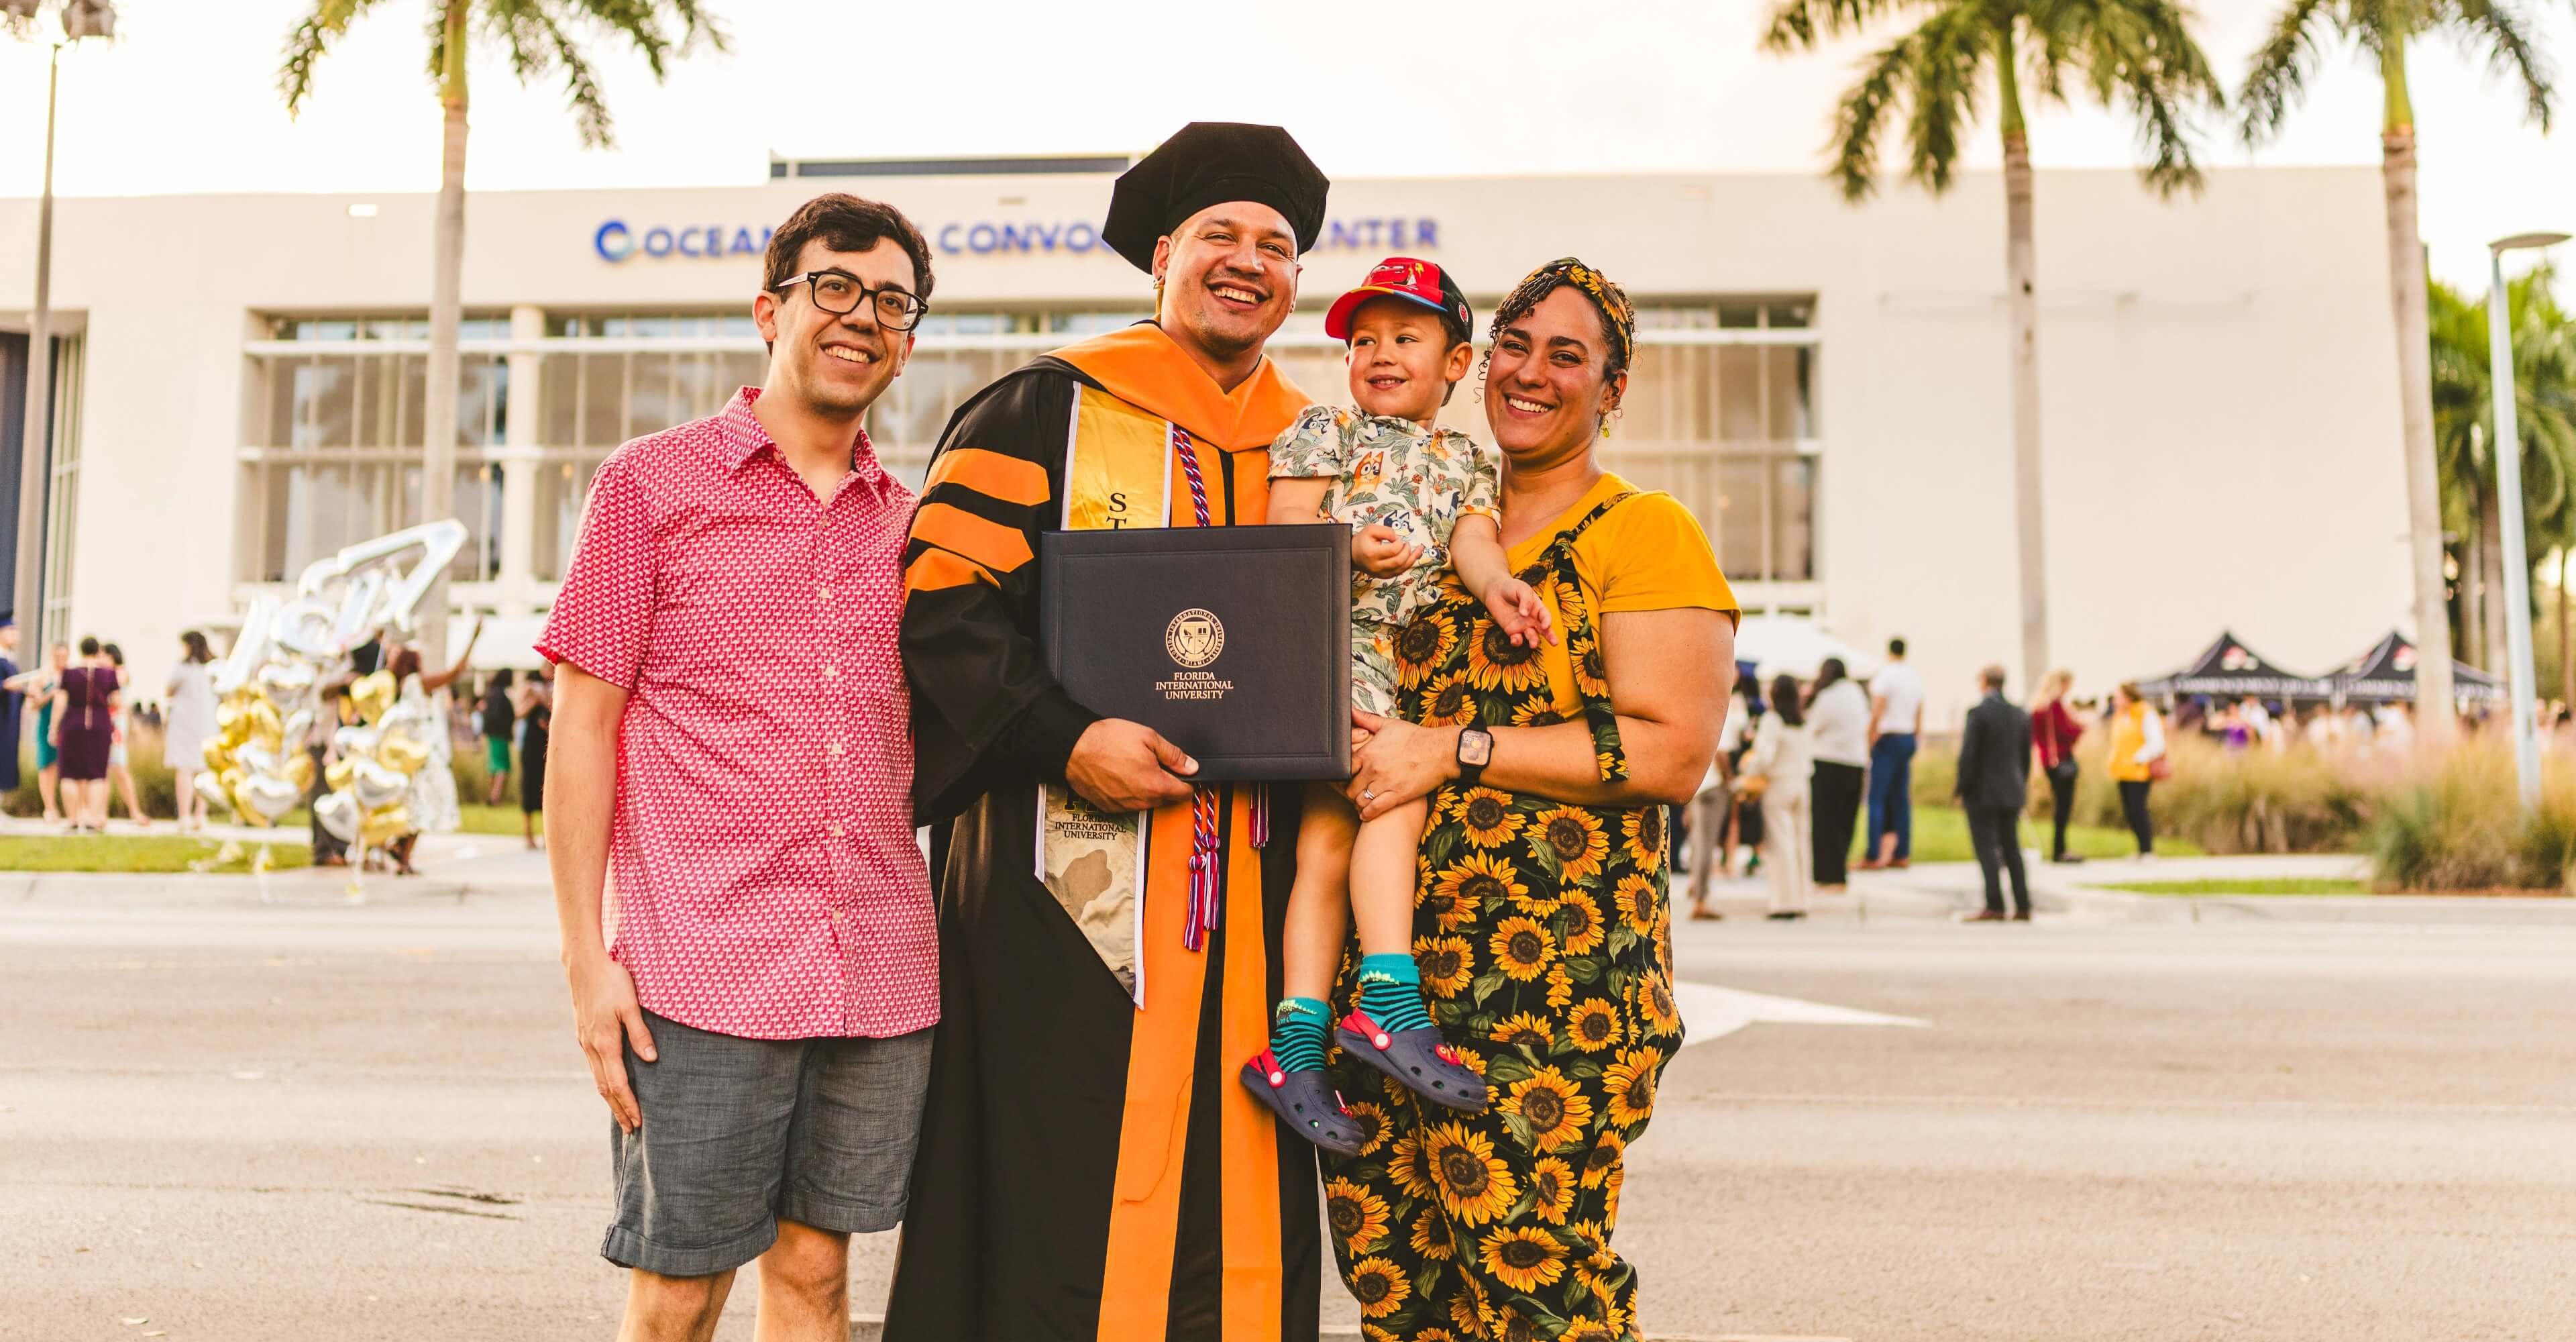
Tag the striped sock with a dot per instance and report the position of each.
(1391, 992)
(1297, 1032)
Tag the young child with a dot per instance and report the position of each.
(1420, 500)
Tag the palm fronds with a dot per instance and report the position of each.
(2134, 54)
(537, 37)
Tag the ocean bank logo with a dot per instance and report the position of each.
(617, 241)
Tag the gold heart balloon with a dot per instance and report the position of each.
(337, 776)
(266, 727)
(382, 827)
(298, 769)
(232, 720)
(400, 752)
(218, 753)
(372, 695)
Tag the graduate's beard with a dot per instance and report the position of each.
(1224, 336)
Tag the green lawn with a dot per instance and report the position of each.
(479, 819)
(146, 853)
(2287, 885)
(1941, 835)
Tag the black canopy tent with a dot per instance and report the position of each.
(2227, 669)
(2387, 672)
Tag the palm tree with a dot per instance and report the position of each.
(2279, 74)
(537, 36)
(2136, 53)
(2544, 384)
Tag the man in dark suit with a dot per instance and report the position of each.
(1994, 784)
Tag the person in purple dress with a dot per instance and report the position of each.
(86, 703)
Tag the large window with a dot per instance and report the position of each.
(1721, 411)
(335, 447)
(62, 493)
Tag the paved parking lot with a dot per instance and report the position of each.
(317, 1119)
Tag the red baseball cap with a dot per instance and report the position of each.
(1404, 277)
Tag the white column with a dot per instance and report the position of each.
(520, 465)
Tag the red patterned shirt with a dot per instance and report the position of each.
(762, 865)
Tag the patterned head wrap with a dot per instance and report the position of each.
(1618, 316)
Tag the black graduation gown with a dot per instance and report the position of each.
(1087, 1169)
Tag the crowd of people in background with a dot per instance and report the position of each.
(77, 713)
(1800, 763)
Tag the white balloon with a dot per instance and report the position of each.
(210, 786)
(250, 649)
(268, 796)
(339, 813)
(375, 785)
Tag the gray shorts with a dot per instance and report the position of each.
(739, 1133)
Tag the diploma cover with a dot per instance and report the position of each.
(1233, 642)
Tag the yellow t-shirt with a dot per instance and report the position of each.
(1648, 553)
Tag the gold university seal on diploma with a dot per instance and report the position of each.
(1194, 638)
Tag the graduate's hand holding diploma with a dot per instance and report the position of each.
(1121, 766)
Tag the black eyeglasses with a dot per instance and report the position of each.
(840, 294)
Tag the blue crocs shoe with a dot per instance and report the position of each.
(1420, 1060)
(1305, 1101)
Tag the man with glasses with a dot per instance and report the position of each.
(1090, 1169)
(731, 751)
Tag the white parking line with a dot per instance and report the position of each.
(1710, 1012)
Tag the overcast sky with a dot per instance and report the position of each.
(185, 101)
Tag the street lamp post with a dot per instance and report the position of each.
(2517, 561)
(80, 18)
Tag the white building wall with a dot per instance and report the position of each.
(2220, 414)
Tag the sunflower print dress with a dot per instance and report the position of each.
(1544, 940)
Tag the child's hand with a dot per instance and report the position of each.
(1518, 612)
(1381, 553)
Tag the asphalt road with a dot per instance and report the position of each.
(314, 1119)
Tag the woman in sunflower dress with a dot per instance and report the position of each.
(1541, 925)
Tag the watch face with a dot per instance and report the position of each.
(1476, 748)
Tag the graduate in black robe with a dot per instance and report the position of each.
(1089, 1168)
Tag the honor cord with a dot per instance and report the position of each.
(1203, 854)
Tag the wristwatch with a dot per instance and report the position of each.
(1475, 751)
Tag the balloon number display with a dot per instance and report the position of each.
(269, 689)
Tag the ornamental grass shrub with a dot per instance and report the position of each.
(2459, 825)
(2253, 800)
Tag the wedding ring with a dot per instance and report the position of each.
(1366, 795)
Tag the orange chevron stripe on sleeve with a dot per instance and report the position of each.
(936, 569)
(998, 548)
(991, 474)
